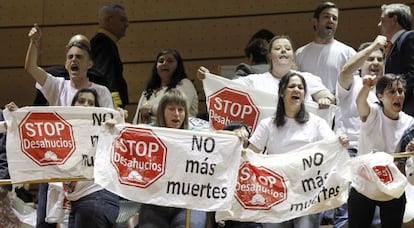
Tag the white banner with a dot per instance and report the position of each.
(228, 101)
(45, 143)
(169, 167)
(279, 187)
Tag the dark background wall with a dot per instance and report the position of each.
(209, 33)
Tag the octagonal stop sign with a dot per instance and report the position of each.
(228, 105)
(46, 138)
(139, 157)
(259, 188)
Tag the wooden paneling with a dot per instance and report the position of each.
(195, 39)
(13, 45)
(21, 12)
(209, 33)
(75, 12)
(18, 86)
(352, 31)
(52, 12)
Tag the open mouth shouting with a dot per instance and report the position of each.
(397, 105)
(374, 71)
(330, 29)
(74, 68)
(175, 123)
(296, 98)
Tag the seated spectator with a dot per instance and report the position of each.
(168, 72)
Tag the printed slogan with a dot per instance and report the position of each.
(169, 167)
(310, 179)
(45, 143)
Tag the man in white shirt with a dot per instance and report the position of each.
(324, 56)
(58, 91)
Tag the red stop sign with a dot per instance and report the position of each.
(227, 105)
(46, 138)
(259, 188)
(139, 157)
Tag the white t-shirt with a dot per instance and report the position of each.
(187, 89)
(267, 83)
(347, 119)
(380, 133)
(291, 136)
(59, 92)
(324, 60)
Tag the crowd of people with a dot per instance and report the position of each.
(371, 88)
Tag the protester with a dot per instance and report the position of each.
(60, 92)
(172, 112)
(324, 56)
(57, 90)
(383, 125)
(368, 60)
(282, 62)
(293, 127)
(91, 205)
(60, 71)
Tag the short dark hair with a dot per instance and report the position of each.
(325, 5)
(386, 82)
(262, 34)
(257, 48)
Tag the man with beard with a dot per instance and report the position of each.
(324, 56)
